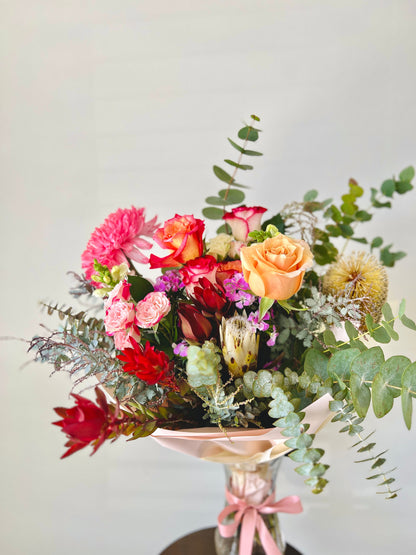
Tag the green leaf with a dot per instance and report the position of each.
(329, 338)
(362, 240)
(224, 229)
(309, 196)
(403, 187)
(388, 313)
(277, 221)
(402, 308)
(360, 393)
(390, 374)
(388, 187)
(407, 174)
(346, 229)
(288, 306)
(222, 175)
(355, 189)
(409, 387)
(376, 242)
(265, 305)
(233, 196)
(140, 287)
(248, 134)
(218, 201)
(256, 118)
(363, 216)
(239, 166)
(316, 364)
(389, 329)
(407, 322)
(236, 146)
(300, 442)
(213, 213)
(252, 153)
(340, 362)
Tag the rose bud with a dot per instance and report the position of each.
(240, 345)
(193, 324)
(243, 220)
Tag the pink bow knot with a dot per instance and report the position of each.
(250, 519)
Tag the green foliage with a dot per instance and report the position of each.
(140, 287)
(232, 194)
(342, 219)
(345, 412)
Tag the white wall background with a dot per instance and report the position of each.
(105, 104)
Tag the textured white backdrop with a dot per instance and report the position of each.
(105, 104)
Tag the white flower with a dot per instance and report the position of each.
(240, 344)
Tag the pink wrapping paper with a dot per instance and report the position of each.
(240, 445)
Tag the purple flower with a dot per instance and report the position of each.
(181, 349)
(237, 291)
(273, 336)
(254, 321)
(169, 281)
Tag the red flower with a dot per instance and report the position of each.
(210, 297)
(203, 266)
(193, 324)
(87, 422)
(148, 364)
(183, 236)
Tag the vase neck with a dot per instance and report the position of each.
(252, 482)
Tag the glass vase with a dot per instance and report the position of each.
(253, 483)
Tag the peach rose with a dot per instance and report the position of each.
(183, 236)
(275, 268)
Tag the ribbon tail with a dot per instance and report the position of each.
(266, 539)
(248, 528)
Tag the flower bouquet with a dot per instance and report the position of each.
(246, 342)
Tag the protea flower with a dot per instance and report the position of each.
(240, 344)
(361, 277)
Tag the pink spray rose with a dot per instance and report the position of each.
(119, 316)
(243, 220)
(152, 309)
(122, 338)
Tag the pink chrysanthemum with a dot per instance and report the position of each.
(120, 236)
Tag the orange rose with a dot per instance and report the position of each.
(183, 236)
(275, 268)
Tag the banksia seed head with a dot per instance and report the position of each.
(359, 276)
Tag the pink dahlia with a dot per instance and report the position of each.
(119, 237)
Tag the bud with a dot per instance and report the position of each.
(193, 324)
(240, 345)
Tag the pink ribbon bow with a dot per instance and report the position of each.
(249, 516)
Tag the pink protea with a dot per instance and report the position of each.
(119, 237)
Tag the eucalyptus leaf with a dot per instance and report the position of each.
(408, 391)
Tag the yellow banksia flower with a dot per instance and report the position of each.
(240, 345)
(359, 276)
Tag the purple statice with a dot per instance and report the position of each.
(273, 336)
(169, 281)
(256, 324)
(180, 349)
(237, 291)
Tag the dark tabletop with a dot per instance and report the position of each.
(202, 543)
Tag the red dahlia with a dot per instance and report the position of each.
(148, 364)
